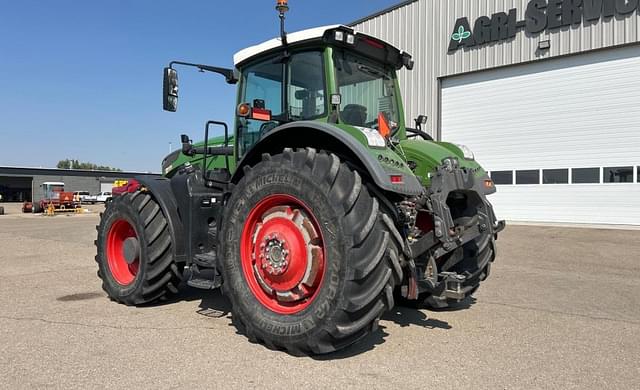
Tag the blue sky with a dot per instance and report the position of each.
(83, 79)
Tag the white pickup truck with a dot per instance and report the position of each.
(102, 197)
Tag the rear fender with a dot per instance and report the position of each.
(323, 136)
(160, 188)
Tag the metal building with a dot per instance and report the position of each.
(18, 184)
(545, 92)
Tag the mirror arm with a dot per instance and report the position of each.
(228, 74)
(419, 133)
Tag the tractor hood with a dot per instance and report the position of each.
(427, 155)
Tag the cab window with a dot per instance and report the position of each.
(262, 84)
(262, 87)
(367, 89)
(306, 86)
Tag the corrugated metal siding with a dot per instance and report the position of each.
(423, 28)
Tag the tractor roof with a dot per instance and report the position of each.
(318, 34)
(296, 37)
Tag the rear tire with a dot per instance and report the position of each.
(135, 223)
(359, 245)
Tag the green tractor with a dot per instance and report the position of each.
(319, 212)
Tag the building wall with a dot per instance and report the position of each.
(424, 28)
(74, 180)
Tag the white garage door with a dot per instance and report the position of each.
(562, 136)
(106, 187)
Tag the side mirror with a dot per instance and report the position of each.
(170, 90)
(407, 61)
(420, 120)
(187, 147)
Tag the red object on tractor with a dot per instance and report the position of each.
(130, 187)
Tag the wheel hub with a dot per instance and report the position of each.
(275, 256)
(282, 254)
(123, 252)
(130, 250)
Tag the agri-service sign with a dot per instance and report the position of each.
(540, 15)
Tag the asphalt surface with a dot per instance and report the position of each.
(560, 310)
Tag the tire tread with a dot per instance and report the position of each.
(373, 268)
(162, 274)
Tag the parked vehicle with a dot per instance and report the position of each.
(54, 195)
(92, 199)
(105, 197)
(82, 196)
(101, 197)
(321, 215)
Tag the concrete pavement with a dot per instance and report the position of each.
(560, 310)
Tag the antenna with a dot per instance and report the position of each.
(282, 6)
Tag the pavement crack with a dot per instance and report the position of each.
(72, 323)
(631, 322)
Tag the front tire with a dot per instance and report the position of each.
(135, 251)
(317, 210)
(477, 255)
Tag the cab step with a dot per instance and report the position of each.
(204, 279)
(207, 260)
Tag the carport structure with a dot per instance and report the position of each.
(15, 188)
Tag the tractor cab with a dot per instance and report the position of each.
(328, 74)
(52, 190)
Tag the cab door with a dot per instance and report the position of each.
(291, 89)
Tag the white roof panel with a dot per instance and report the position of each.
(298, 36)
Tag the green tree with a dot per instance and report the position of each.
(75, 164)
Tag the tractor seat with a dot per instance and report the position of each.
(354, 114)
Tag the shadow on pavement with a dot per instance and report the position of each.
(402, 316)
(213, 304)
(455, 306)
(412, 317)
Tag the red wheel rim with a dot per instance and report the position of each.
(122, 271)
(282, 254)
